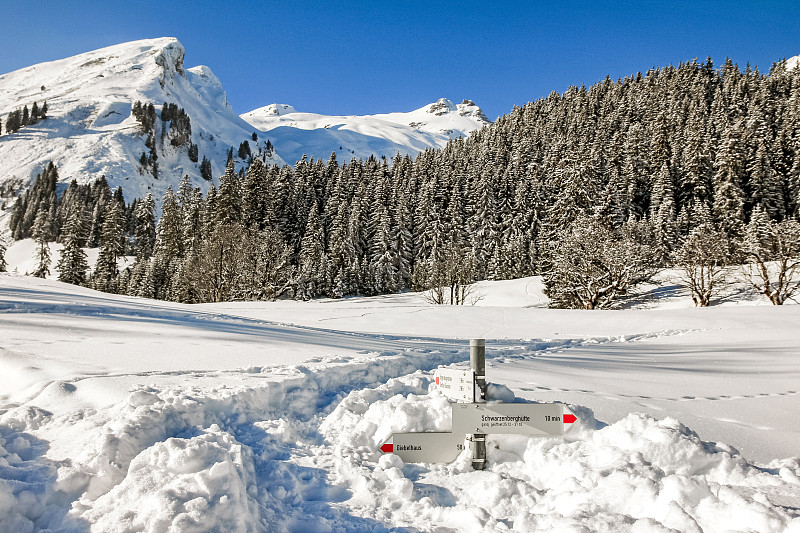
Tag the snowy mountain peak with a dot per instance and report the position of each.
(132, 65)
(275, 110)
(91, 130)
(792, 62)
(466, 108)
(296, 133)
(171, 57)
(441, 107)
(208, 86)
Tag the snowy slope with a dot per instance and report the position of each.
(127, 414)
(90, 130)
(295, 133)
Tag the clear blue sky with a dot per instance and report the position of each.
(355, 57)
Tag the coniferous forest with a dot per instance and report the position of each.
(673, 167)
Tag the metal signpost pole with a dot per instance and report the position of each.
(477, 361)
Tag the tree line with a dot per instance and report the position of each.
(22, 117)
(655, 170)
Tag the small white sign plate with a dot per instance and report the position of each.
(425, 447)
(456, 383)
(512, 418)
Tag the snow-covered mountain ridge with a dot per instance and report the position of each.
(90, 129)
(294, 133)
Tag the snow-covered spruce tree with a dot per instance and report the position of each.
(169, 231)
(169, 248)
(101, 197)
(342, 252)
(766, 189)
(728, 206)
(229, 201)
(135, 285)
(193, 220)
(144, 232)
(267, 266)
(190, 203)
(41, 234)
(112, 248)
(772, 256)
(214, 273)
(383, 252)
(72, 265)
(3, 263)
(255, 197)
(205, 169)
(404, 244)
(41, 197)
(208, 216)
(662, 213)
(313, 266)
(592, 265)
(702, 260)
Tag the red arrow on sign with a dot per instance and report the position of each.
(387, 448)
(569, 419)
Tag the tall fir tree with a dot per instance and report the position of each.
(229, 197)
(72, 265)
(113, 247)
(41, 234)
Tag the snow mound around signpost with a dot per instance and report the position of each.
(638, 474)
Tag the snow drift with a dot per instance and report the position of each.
(125, 414)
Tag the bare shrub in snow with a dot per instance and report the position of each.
(773, 256)
(450, 276)
(702, 260)
(455, 294)
(592, 264)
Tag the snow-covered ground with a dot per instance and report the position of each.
(127, 414)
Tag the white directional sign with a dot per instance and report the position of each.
(512, 418)
(476, 420)
(425, 447)
(456, 383)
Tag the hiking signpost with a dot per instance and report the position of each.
(473, 418)
(457, 384)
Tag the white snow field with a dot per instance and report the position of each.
(126, 414)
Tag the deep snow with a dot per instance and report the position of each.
(126, 414)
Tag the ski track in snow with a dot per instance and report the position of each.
(294, 447)
(289, 464)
